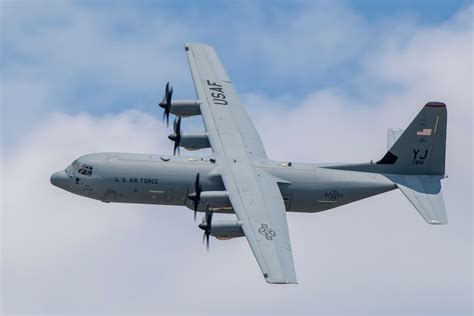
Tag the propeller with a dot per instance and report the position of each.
(176, 136)
(196, 197)
(166, 103)
(206, 226)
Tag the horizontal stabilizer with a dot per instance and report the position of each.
(425, 194)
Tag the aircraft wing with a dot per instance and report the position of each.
(253, 193)
(223, 114)
(257, 202)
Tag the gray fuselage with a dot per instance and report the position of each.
(169, 180)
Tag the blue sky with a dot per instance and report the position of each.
(81, 77)
(66, 46)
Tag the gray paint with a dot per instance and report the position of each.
(305, 184)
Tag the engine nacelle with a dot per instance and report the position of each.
(185, 108)
(192, 141)
(225, 229)
(215, 201)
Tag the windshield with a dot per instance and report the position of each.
(75, 165)
(84, 169)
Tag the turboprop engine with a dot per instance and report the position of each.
(180, 108)
(188, 141)
(213, 201)
(223, 230)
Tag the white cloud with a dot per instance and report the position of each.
(67, 254)
(121, 55)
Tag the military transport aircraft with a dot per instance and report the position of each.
(240, 179)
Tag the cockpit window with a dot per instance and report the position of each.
(85, 169)
(75, 165)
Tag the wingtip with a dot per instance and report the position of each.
(282, 282)
(188, 46)
(270, 280)
(435, 104)
(438, 221)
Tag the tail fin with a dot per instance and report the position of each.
(415, 162)
(421, 148)
(418, 159)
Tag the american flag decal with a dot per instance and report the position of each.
(424, 132)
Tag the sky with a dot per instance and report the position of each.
(322, 81)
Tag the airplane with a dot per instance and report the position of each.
(238, 178)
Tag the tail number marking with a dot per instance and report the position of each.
(419, 159)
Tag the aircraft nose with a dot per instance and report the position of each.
(60, 179)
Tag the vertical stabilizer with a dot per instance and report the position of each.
(421, 148)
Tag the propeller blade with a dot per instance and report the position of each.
(207, 232)
(197, 198)
(167, 88)
(169, 96)
(178, 126)
(166, 103)
(205, 238)
(206, 225)
(207, 241)
(209, 219)
(177, 132)
(176, 149)
(167, 114)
